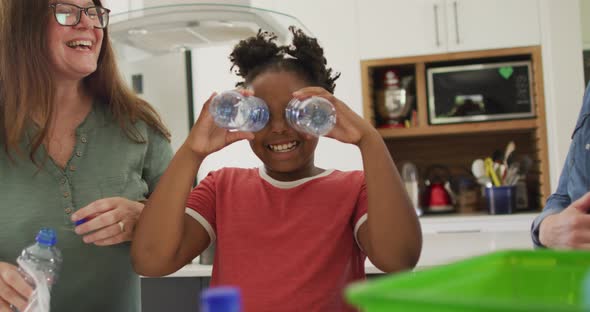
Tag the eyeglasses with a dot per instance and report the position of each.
(69, 14)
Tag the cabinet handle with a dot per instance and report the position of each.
(436, 25)
(458, 231)
(456, 22)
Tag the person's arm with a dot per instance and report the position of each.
(569, 229)
(112, 220)
(564, 224)
(556, 203)
(391, 236)
(165, 237)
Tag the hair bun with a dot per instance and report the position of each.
(304, 57)
(305, 49)
(255, 51)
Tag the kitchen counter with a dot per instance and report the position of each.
(445, 239)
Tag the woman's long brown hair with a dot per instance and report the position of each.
(27, 88)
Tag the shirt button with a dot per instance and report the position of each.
(83, 139)
(66, 194)
(79, 154)
(72, 168)
(63, 181)
(68, 210)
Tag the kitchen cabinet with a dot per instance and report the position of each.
(392, 28)
(457, 145)
(176, 294)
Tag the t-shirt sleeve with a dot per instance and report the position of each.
(361, 207)
(201, 205)
(158, 156)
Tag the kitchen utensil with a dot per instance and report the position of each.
(491, 172)
(478, 168)
(512, 175)
(510, 148)
(498, 156)
(525, 165)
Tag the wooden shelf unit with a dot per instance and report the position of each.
(457, 145)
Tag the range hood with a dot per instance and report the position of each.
(158, 30)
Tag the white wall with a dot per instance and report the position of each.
(165, 88)
(563, 75)
(118, 6)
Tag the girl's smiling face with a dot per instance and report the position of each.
(287, 154)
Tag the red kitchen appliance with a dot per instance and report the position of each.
(437, 196)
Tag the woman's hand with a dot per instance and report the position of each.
(14, 290)
(350, 127)
(206, 137)
(110, 221)
(569, 229)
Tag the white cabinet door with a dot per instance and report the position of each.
(484, 24)
(392, 28)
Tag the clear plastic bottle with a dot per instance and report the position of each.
(234, 111)
(314, 115)
(40, 264)
(410, 177)
(221, 299)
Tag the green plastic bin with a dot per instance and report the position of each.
(518, 280)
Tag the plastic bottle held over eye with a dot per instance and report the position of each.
(234, 111)
(40, 264)
(221, 299)
(314, 115)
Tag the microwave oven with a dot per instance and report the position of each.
(480, 92)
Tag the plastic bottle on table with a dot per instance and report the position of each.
(221, 299)
(234, 111)
(314, 115)
(40, 264)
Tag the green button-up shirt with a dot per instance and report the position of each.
(105, 163)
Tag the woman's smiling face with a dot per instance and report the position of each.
(74, 50)
(286, 153)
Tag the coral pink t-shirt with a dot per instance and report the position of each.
(289, 246)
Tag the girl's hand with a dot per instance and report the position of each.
(14, 290)
(350, 127)
(206, 137)
(110, 221)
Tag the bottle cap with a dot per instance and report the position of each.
(221, 299)
(47, 237)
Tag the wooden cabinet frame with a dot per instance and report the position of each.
(535, 128)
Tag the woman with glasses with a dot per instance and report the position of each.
(79, 152)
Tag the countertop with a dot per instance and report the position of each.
(445, 239)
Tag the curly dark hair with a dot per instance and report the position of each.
(305, 57)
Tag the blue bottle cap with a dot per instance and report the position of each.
(81, 221)
(47, 237)
(221, 299)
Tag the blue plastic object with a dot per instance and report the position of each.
(221, 299)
